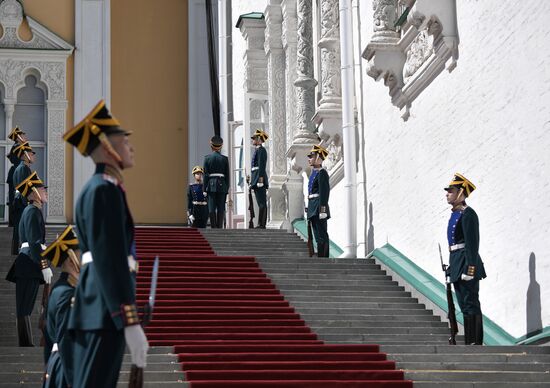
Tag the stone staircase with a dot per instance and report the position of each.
(354, 301)
(25, 365)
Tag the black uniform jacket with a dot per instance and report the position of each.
(216, 163)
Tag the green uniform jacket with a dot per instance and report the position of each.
(22, 171)
(467, 232)
(32, 231)
(106, 229)
(259, 160)
(57, 319)
(216, 163)
(320, 186)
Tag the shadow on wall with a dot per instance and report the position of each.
(370, 232)
(533, 305)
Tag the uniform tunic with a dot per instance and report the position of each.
(21, 172)
(197, 205)
(216, 186)
(259, 162)
(318, 197)
(106, 230)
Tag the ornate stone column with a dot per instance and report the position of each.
(276, 91)
(329, 113)
(303, 134)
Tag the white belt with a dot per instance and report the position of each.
(26, 245)
(55, 347)
(456, 247)
(312, 196)
(217, 175)
(200, 203)
(255, 168)
(88, 258)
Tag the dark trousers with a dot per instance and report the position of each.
(54, 372)
(261, 197)
(467, 294)
(200, 212)
(97, 358)
(216, 202)
(26, 291)
(320, 232)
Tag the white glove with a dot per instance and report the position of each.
(204, 193)
(322, 216)
(192, 218)
(137, 343)
(466, 278)
(47, 274)
(259, 185)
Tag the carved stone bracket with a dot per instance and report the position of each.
(409, 62)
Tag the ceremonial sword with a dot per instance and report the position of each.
(136, 373)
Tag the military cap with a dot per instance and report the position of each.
(216, 142)
(461, 182)
(58, 251)
(14, 134)
(197, 170)
(12, 156)
(30, 184)
(320, 150)
(260, 134)
(20, 149)
(94, 129)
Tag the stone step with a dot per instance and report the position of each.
(515, 358)
(357, 277)
(462, 349)
(357, 306)
(476, 365)
(315, 287)
(477, 376)
(364, 330)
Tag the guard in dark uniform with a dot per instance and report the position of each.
(104, 315)
(318, 211)
(62, 253)
(465, 265)
(216, 182)
(30, 269)
(259, 182)
(26, 157)
(197, 204)
(18, 137)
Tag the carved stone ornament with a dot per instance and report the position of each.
(44, 56)
(428, 43)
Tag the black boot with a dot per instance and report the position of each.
(478, 329)
(262, 218)
(327, 249)
(469, 329)
(221, 217)
(213, 220)
(24, 331)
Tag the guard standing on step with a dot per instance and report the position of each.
(104, 315)
(26, 157)
(465, 265)
(18, 137)
(318, 211)
(216, 182)
(259, 182)
(197, 205)
(62, 253)
(30, 269)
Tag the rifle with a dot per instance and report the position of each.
(450, 303)
(310, 239)
(250, 204)
(43, 311)
(136, 373)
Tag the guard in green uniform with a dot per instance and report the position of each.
(18, 137)
(465, 265)
(259, 182)
(197, 205)
(62, 253)
(26, 157)
(30, 269)
(104, 315)
(318, 211)
(216, 182)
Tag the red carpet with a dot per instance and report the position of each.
(231, 327)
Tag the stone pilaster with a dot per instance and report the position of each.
(276, 91)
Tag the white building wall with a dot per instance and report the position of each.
(490, 120)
